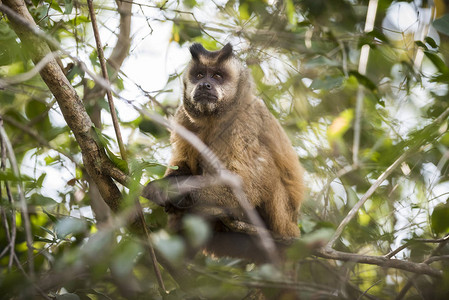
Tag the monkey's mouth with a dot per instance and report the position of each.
(204, 97)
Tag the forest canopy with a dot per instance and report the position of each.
(87, 92)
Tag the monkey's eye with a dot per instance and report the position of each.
(199, 75)
(217, 76)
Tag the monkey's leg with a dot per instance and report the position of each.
(216, 201)
(281, 217)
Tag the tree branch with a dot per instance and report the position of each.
(399, 249)
(31, 132)
(106, 77)
(365, 197)
(70, 104)
(23, 203)
(418, 268)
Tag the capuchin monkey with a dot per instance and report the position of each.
(220, 107)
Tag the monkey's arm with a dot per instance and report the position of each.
(198, 194)
(165, 190)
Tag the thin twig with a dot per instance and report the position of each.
(376, 184)
(31, 132)
(365, 197)
(428, 261)
(13, 232)
(106, 77)
(365, 293)
(119, 139)
(149, 244)
(415, 241)
(344, 280)
(363, 62)
(23, 203)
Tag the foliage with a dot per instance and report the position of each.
(304, 57)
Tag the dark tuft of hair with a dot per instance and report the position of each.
(198, 50)
(225, 52)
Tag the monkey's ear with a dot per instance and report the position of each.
(196, 50)
(225, 53)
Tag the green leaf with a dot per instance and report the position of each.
(40, 200)
(75, 70)
(299, 250)
(172, 248)
(437, 61)
(290, 11)
(340, 125)
(41, 12)
(70, 225)
(48, 231)
(49, 160)
(120, 163)
(125, 257)
(102, 139)
(9, 176)
(197, 230)
(421, 44)
(431, 42)
(6, 33)
(41, 239)
(68, 7)
(50, 216)
(442, 24)
(155, 129)
(79, 20)
(327, 83)
(54, 5)
(68, 296)
(190, 3)
(321, 61)
(439, 219)
(364, 80)
(40, 180)
(244, 11)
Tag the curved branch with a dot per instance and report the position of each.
(418, 268)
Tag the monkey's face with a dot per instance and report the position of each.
(211, 81)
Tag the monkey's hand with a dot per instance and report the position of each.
(157, 192)
(171, 192)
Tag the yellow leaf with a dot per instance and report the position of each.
(340, 125)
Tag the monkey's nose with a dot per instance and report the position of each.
(205, 85)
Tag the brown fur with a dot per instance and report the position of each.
(247, 139)
(224, 113)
